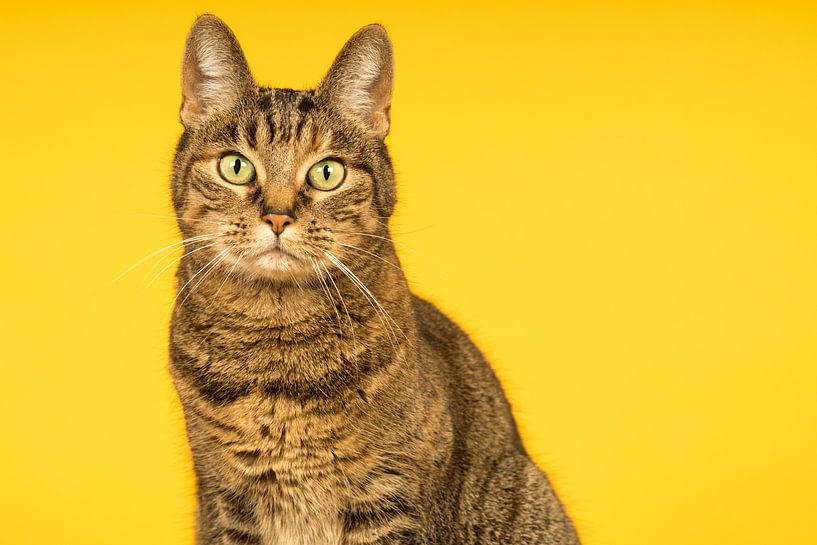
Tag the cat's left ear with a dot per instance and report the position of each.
(360, 80)
(215, 73)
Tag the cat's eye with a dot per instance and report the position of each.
(236, 169)
(326, 175)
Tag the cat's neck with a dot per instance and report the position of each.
(231, 334)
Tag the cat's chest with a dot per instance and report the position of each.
(282, 459)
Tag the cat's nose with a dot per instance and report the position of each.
(278, 220)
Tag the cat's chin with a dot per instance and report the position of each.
(277, 260)
(276, 264)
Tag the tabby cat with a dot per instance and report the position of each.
(325, 403)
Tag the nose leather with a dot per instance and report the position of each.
(278, 221)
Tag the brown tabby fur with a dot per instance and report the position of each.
(319, 413)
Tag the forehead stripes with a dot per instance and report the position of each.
(286, 113)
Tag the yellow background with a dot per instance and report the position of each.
(617, 200)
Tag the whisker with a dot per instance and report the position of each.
(209, 263)
(369, 295)
(403, 245)
(370, 253)
(386, 327)
(229, 273)
(213, 267)
(182, 218)
(375, 300)
(295, 279)
(175, 261)
(342, 302)
(393, 230)
(196, 238)
(387, 239)
(169, 253)
(215, 297)
(326, 291)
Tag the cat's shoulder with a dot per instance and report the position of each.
(442, 332)
(433, 321)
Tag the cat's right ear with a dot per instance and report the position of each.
(360, 80)
(215, 73)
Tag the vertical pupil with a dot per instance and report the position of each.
(236, 165)
(326, 172)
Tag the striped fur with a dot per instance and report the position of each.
(325, 404)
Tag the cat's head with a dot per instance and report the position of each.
(274, 182)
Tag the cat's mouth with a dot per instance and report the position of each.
(273, 249)
(277, 258)
(277, 252)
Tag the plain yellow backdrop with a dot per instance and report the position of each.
(617, 200)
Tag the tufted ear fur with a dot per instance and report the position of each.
(215, 73)
(360, 80)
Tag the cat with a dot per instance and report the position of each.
(325, 404)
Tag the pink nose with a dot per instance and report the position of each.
(278, 222)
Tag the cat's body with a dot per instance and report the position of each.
(325, 404)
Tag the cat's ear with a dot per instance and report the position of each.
(215, 73)
(360, 80)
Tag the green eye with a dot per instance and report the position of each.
(326, 175)
(236, 169)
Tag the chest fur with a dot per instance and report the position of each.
(282, 461)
